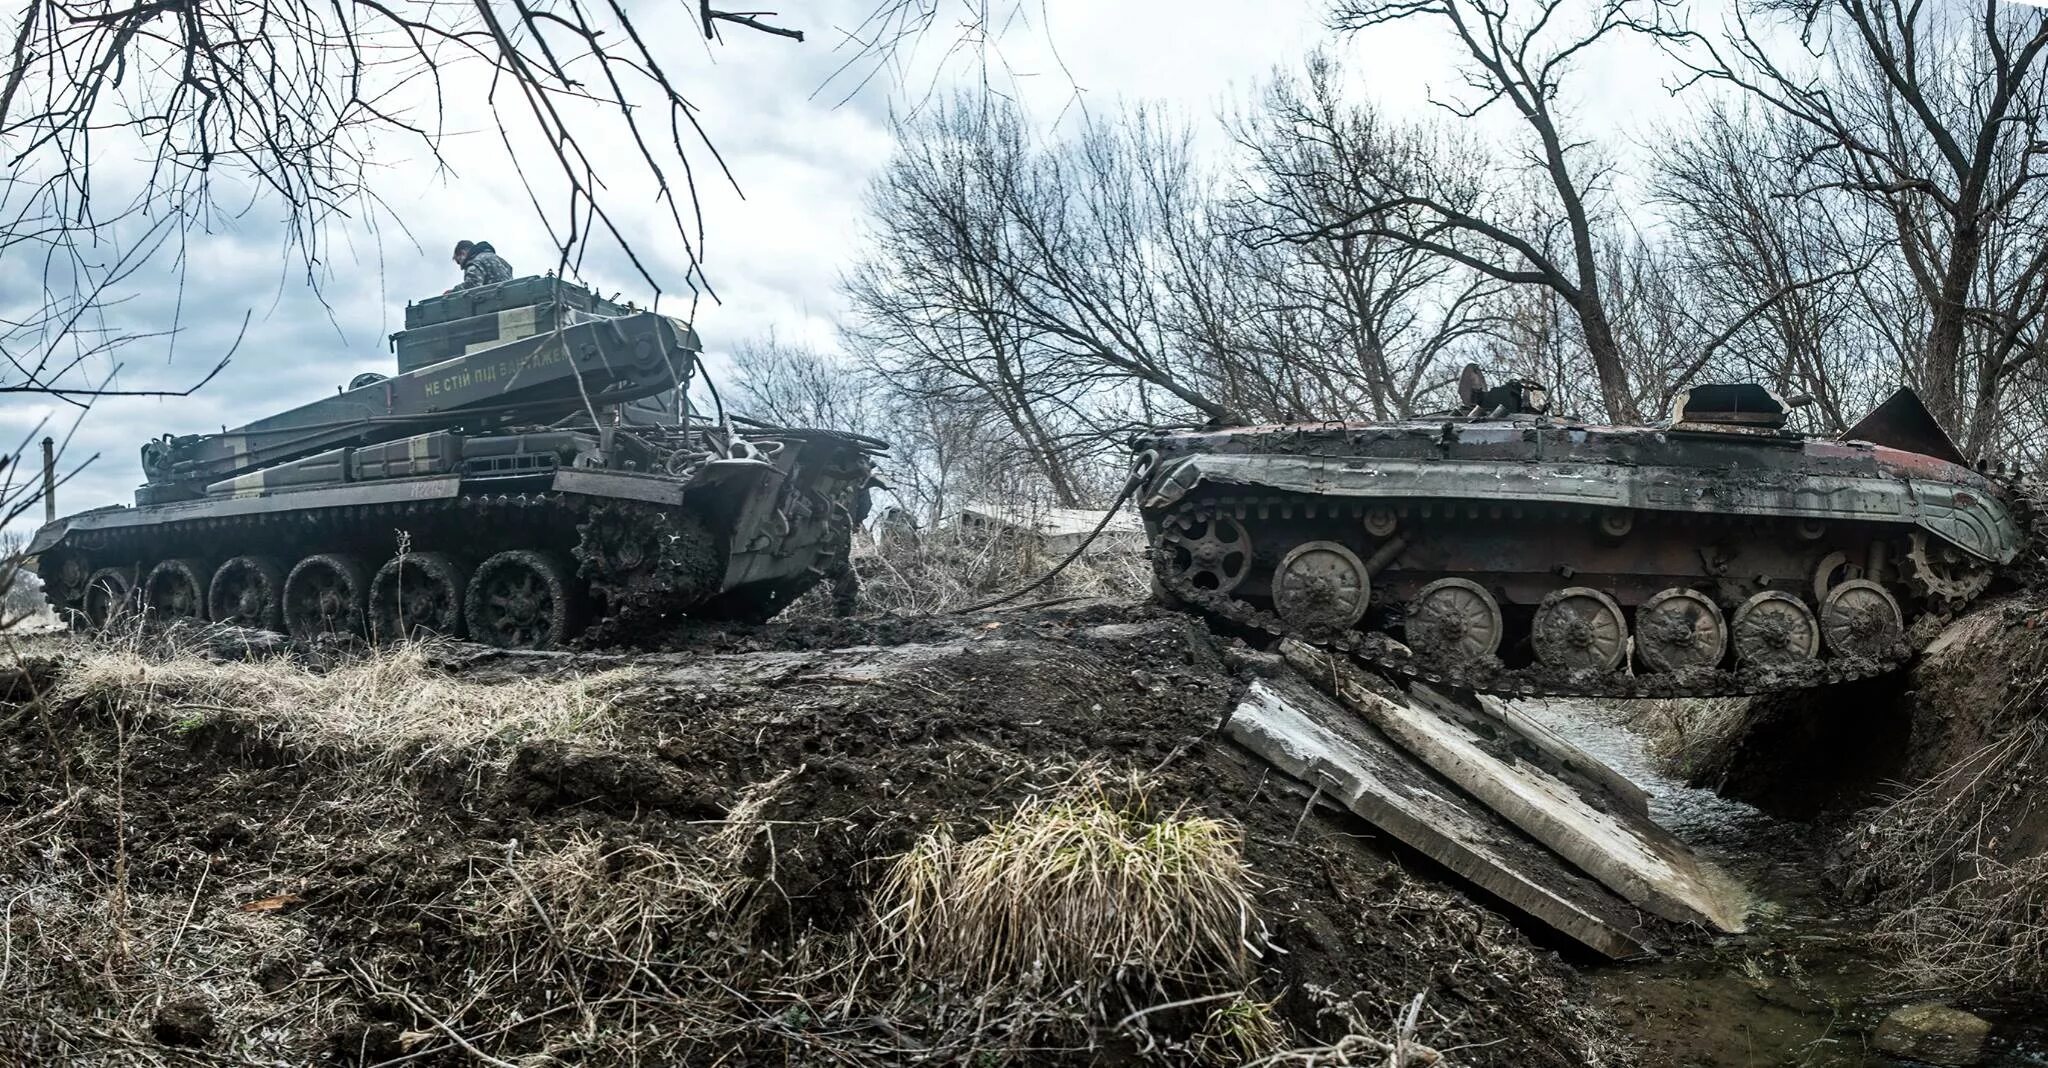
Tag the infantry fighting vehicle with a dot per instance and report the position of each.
(533, 465)
(1502, 549)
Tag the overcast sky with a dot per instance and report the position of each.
(800, 156)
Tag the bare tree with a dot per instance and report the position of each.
(798, 386)
(1519, 55)
(1930, 117)
(936, 296)
(1359, 321)
(299, 104)
(1733, 189)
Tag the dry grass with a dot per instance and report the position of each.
(93, 967)
(1933, 833)
(586, 902)
(951, 568)
(1957, 916)
(1085, 923)
(1985, 934)
(1690, 734)
(393, 699)
(1076, 891)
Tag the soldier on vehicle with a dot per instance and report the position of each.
(481, 265)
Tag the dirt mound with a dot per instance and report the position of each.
(689, 857)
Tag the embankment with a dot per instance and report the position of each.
(1005, 839)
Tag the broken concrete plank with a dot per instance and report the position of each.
(1306, 735)
(1629, 854)
(1526, 739)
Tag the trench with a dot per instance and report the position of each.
(1802, 986)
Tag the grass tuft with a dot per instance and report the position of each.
(1074, 890)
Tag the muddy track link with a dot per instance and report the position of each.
(1489, 675)
(615, 587)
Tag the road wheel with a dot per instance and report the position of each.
(417, 595)
(324, 597)
(1321, 587)
(520, 599)
(109, 593)
(1680, 628)
(1861, 618)
(247, 591)
(1775, 629)
(1579, 628)
(1455, 618)
(176, 589)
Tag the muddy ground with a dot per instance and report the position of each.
(195, 882)
(694, 873)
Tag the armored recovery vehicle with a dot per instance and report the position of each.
(1501, 549)
(533, 465)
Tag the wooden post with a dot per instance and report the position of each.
(49, 481)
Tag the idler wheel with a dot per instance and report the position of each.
(1211, 552)
(176, 589)
(519, 599)
(247, 591)
(109, 592)
(1579, 628)
(324, 596)
(417, 594)
(1321, 586)
(1455, 618)
(1861, 618)
(1680, 628)
(1775, 629)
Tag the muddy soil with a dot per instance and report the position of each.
(196, 833)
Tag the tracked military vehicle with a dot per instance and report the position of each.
(534, 465)
(1502, 549)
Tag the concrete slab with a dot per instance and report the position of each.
(1512, 734)
(1296, 728)
(1622, 849)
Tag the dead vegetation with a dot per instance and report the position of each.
(395, 698)
(1987, 933)
(956, 566)
(1690, 734)
(1966, 910)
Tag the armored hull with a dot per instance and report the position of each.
(532, 470)
(1717, 554)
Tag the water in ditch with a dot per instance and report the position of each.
(1802, 986)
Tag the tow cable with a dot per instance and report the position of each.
(1141, 469)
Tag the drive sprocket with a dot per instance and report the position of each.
(1943, 574)
(641, 557)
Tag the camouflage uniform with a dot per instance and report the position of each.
(485, 267)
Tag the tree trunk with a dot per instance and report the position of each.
(1942, 360)
(1615, 393)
